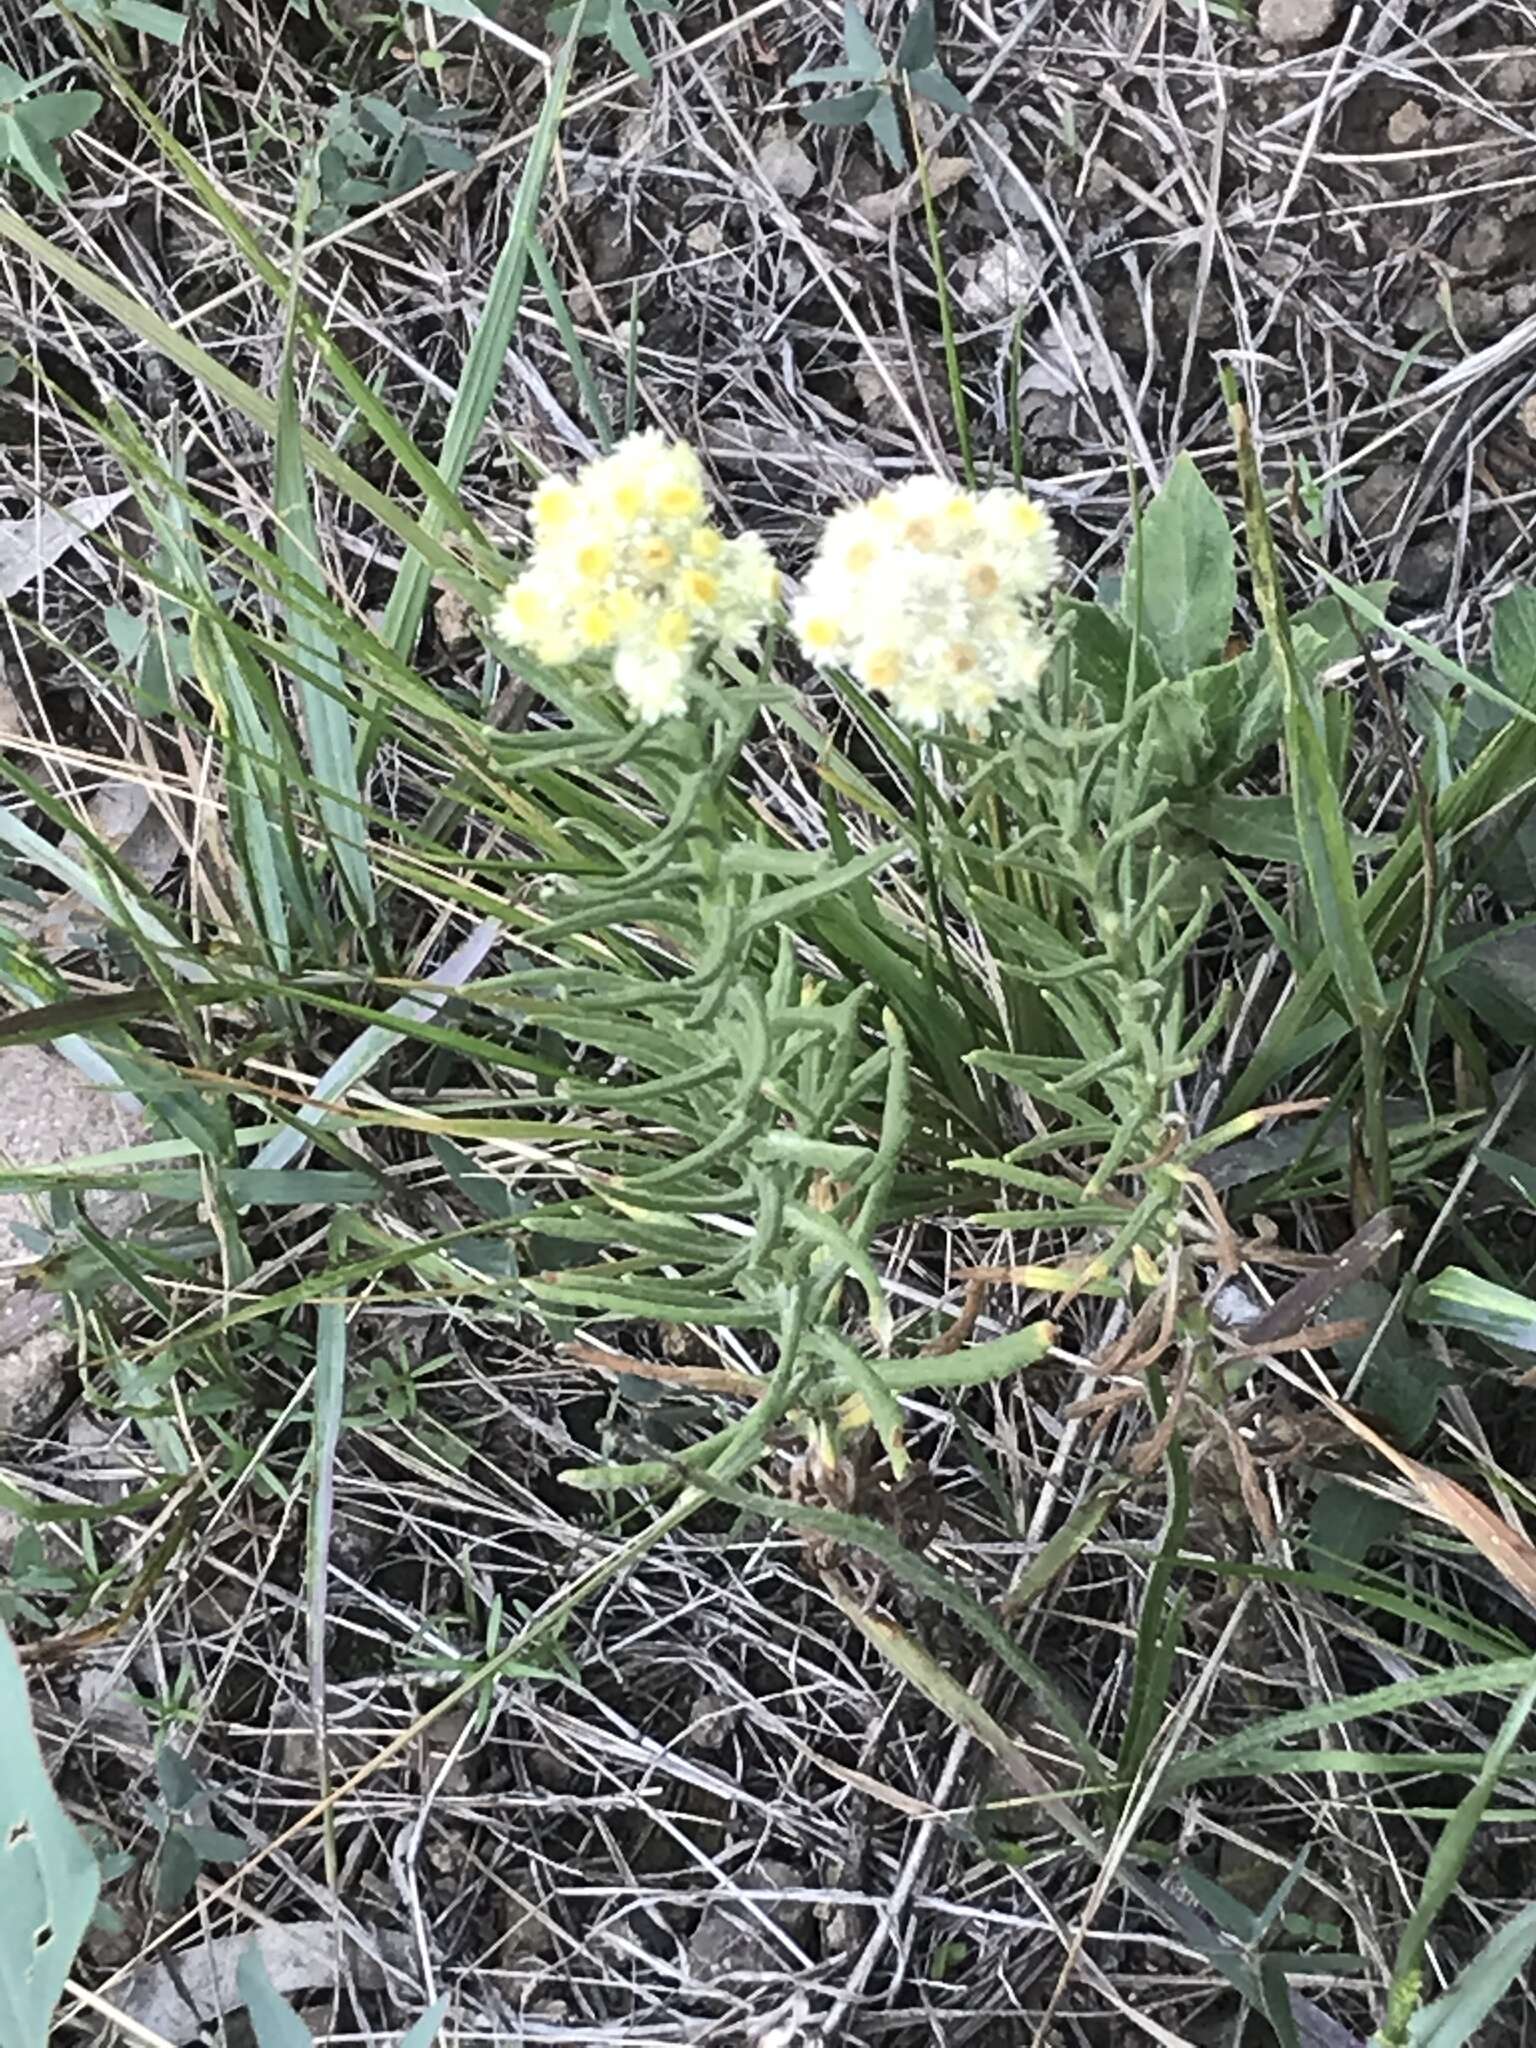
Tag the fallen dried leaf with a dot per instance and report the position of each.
(944, 173)
(1510, 1551)
(183, 1996)
(31, 545)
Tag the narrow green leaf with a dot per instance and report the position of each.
(140, 319)
(425, 2031)
(1459, 1300)
(484, 362)
(323, 694)
(372, 1045)
(273, 2019)
(858, 39)
(1441, 1880)
(932, 84)
(1457, 2018)
(625, 41)
(884, 120)
(919, 44)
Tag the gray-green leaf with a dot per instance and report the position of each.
(1184, 567)
(48, 1877)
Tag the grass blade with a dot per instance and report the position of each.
(487, 354)
(1442, 1878)
(327, 723)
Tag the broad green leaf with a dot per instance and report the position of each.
(32, 154)
(1347, 1523)
(1102, 647)
(1244, 700)
(1514, 644)
(884, 119)
(1260, 828)
(844, 111)
(919, 43)
(932, 84)
(48, 1876)
(1402, 1383)
(859, 41)
(1183, 573)
(1496, 978)
(1459, 1300)
(53, 115)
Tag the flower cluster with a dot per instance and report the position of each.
(627, 564)
(930, 596)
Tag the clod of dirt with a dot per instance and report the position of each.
(785, 166)
(1407, 125)
(1002, 278)
(30, 1371)
(1288, 23)
(49, 1113)
(1379, 497)
(1479, 247)
(1513, 78)
(1528, 415)
(13, 725)
(731, 1939)
(1424, 574)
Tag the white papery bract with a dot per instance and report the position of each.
(627, 564)
(931, 596)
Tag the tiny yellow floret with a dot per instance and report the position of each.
(594, 626)
(554, 504)
(654, 556)
(681, 501)
(674, 629)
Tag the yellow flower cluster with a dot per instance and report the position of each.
(931, 596)
(626, 563)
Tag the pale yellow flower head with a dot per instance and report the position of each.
(626, 564)
(931, 597)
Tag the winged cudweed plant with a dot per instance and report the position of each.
(778, 1111)
(1054, 755)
